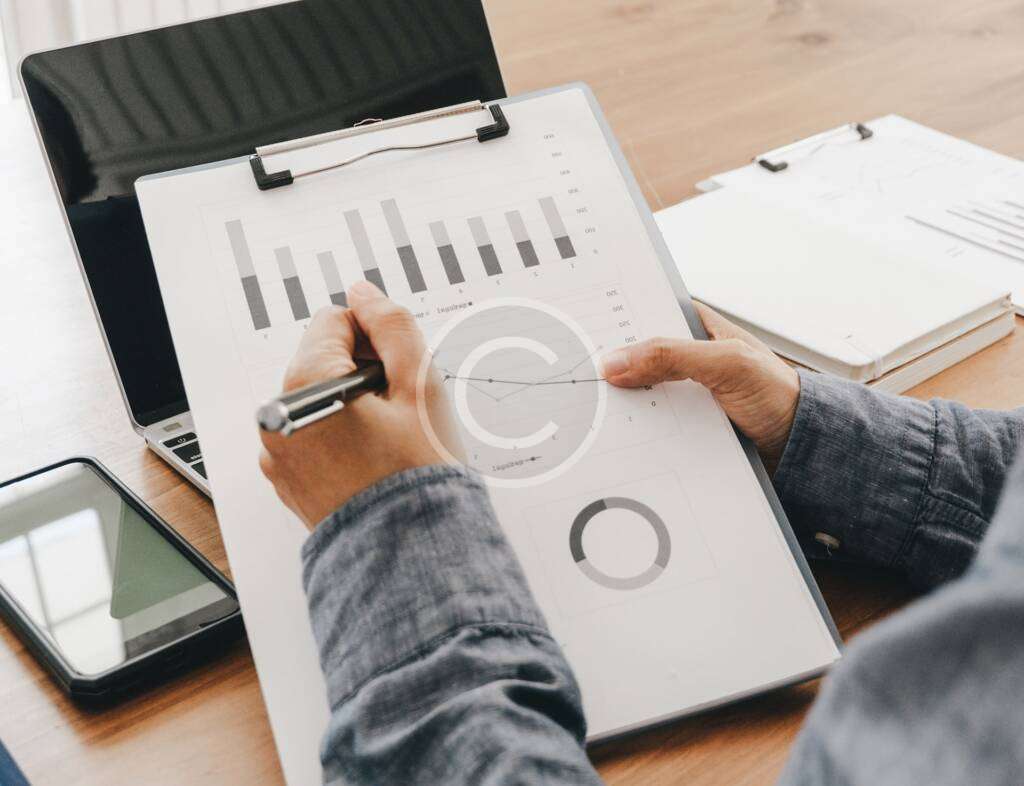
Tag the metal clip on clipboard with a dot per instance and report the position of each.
(810, 146)
(268, 180)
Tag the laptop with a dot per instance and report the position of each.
(107, 112)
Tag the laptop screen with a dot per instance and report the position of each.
(111, 111)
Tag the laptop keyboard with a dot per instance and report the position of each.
(186, 448)
(173, 443)
(188, 453)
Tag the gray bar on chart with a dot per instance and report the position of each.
(257, 306)
(357, 229)
(484, 246)
(292, 285)
(405, 251)
(446, 251)
(557, 227)
(522, 239)
(375, 278)
(332, 278)
(247, 272)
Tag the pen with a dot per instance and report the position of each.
(312, 403)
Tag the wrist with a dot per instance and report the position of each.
(366, 499)
(773, 444)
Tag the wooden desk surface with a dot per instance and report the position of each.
(691, 88)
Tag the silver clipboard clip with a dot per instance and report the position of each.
(809, 146)
(265, 181)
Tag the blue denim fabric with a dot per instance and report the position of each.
(440, 668)
(898, 483)
(10, 773)
(439, 665)
(934, 694)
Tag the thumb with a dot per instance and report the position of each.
(711, 363)
(392, 332)
(325, 350)
(718, 328)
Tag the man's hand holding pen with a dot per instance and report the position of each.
(318, 468)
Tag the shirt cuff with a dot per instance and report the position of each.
(855, 469)
(403, 565)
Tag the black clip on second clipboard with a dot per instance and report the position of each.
(768, 160)
(268, 180)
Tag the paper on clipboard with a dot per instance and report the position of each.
(544, 237)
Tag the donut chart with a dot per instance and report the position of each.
(641, 579)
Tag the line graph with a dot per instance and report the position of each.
(527, 387)
(524, 384)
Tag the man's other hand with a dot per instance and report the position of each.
(757, 390)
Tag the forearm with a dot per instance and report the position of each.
(439, 666)
(932, 694)
(893, 481)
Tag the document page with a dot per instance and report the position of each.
(820, 294)
(924, 194)
(639, 521)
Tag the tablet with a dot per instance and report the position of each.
(103, 592)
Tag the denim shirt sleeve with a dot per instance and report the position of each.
(932, 694)
(892, 481)
(439, 666)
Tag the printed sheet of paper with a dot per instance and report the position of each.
(924, 194)
(643, 531)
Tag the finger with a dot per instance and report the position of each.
(325, 351)
(714, 364)
(272, 441)
(718, 327)
(392, 332)
(267, 464)
(269, 468)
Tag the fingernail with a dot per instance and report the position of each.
(364, 290)
(615, 363)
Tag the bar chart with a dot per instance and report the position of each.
(405, 251)
(361, 241)
(484, 246)
(373, 238)
(332, 278)
(446, 251)
(247, 272)
(292, 284)
(522, 239)
(557, 227)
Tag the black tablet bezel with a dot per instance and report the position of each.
(155, 665)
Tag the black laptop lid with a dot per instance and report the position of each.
(112, 111)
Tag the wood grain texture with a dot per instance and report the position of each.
(691, 88)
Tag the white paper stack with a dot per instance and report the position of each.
(826, 298)
(925, 194)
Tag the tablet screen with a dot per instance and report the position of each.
(100, 582)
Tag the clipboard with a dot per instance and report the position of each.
(894, 181)
(205, 397)
(499, 127)
(852, 132)
(265, 181)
